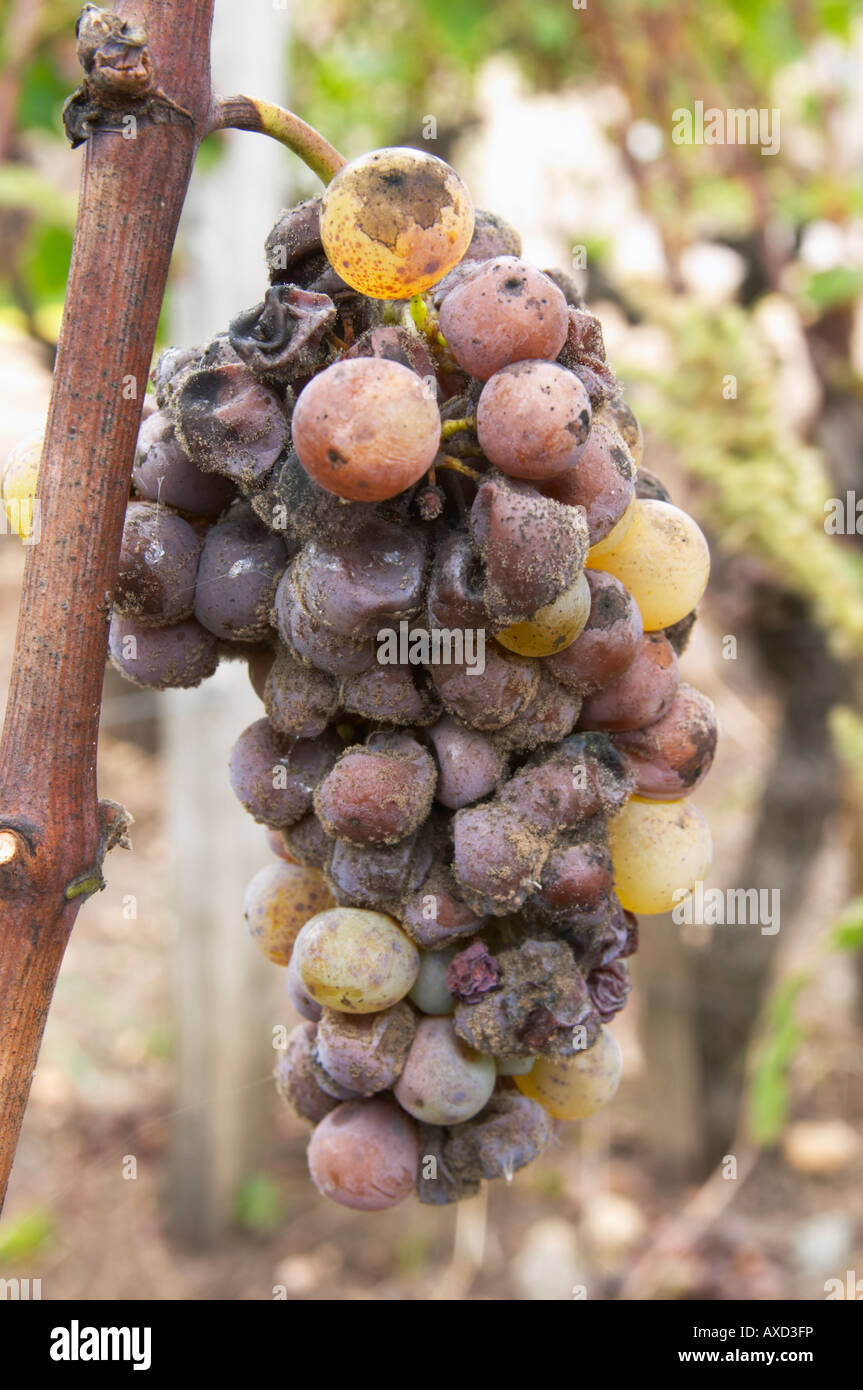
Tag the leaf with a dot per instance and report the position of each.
(769, 1092)
(25, 1234)
(258, 1204)
(847, 935)
(839, 285)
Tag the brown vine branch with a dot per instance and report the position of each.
(53, 832)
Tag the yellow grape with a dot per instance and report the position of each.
(610, 544)
(279, 899)
(658, 851)
(571, 1088)
(553, 627)
(356, 961)
(20, 479)
(661, 557)
(394, 221)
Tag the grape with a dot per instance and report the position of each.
(355, 961)
(606, 647)
(229, 423)
(548, 717)
(643, 694)
(488, 699)
(181, 655)
(241, 564)
(659, 849)
(365, 1155)
(470, 764)
(436, 914)
(443, 1081)
(363, 876)
(610, 544)
(366, 429)
(492, 236)
(397, 345)
(260, 663)
(157, 567)
(394, 221)
(296, 1082)
(299, 996)
(603, 481)
(279, 339)
(515, 1066)
(274, 776)
(553, 627)
(163, 472)
(680, 632)
(663, 560)
(548, 796)
(387, 694)
(509, 1133)
(540, 1000)
(574, 1087)
(648, 485)
(279, 900)
(375, 798)
(672, 757)
(430, 993)
(19, 484)
(622, 417)
(308, 842)
(497, 858)
(472, 973)
(455, 588)
(507, 312)
(312, 640)
(532, 420)
(366, 1052)
(532, 546)
(278, 844)
(299, 700)
(576, 878)
(609, 987)
(357, 586)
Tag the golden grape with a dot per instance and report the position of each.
(661, 557)
(571, 1088)
(658, 849)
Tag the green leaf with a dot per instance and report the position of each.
(25, 1234)
(847, 935)
(258, 1204)
(839, 285)
(769, 1092)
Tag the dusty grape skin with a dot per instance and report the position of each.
(603, 481)
(609, 986)
(497, 858)
(549, 716)
(365, 1155)
(435, 915)
(470, 764)
(307, 1007)
(299, 700)
(295, 1078)
(642, 695)
(158, 563)
(455, 597)
(532, 546)
(648, 485)
(260, 663)
(366, 429)
(386, 694)
(443, 1081)
(307, 841)
(175, 657)
(365, 1052)
(241, 564)
(532, 420)
(230, 423)
(609, 642)
(312, 640)
(672, 756)
(371, 579)
(376, 798)
(377, 876)
(163, 472)
(507, 1135)
(488, 699)
(261, 755)
(576, 878)
(623, 418)
(507, 312)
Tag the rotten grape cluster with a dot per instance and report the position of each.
(406, 489)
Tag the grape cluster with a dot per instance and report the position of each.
(406, 490)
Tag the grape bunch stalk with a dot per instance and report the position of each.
(405, 488)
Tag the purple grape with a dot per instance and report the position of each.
(230, 423)
(366, 1052)
(365, 582)
(161, 658)
(470, 764)
(241, 564)
(299, 700)
(157, 568)
(275, 776)
(163, 472)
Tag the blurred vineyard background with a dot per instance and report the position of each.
(730, 286)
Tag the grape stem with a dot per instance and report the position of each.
(265, 118)
(447, 461)
(451, 427)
